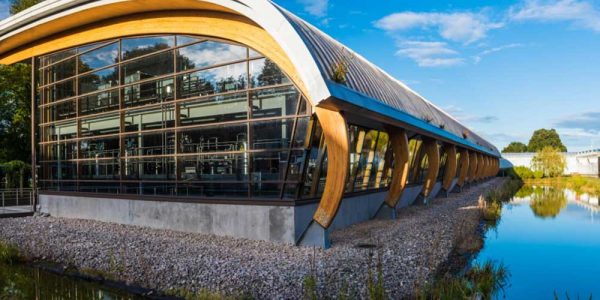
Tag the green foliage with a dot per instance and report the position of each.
(375, 287)
(482, 281)
(339, 70)
(15, 112)
(15, 173)
(520, 172)
(310, 287)
(17, 6)
(488, 279)
(538, 174)
(9, 254)
(543, 138)
(202, 295)
(515, 147)
(550, 161)
(447, 287)
(492, 211)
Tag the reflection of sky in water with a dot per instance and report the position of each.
(547, 254)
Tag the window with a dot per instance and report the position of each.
(221, 108)
(211, 81)
(99, 58)
(274, 102)
(147, 119)
(100, 126)
(99, 80)
(177, 116)
(207, 54)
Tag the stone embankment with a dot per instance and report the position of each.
(410, 248)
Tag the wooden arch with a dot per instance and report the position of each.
(335, 131)
(464, 167)
(399, 142)
(430, 148)
(472, 166)
(451, 166)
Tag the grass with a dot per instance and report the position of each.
(202, 295)
(9, 254)
(491, 203)
(488, 279)
(482, 281)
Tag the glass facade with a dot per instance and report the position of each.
(188, 116)
(172, 115)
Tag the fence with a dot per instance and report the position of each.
(16, 201)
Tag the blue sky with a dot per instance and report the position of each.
(504, 68)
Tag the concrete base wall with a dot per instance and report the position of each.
(287, 224)
(409, 195)
(270, 223)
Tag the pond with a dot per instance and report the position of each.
(24, 282)
(549, 240)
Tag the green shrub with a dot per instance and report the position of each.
(446, 287)
(488, 279)
(521, 172)
(9, 254)
(538, 174)
(492, 211)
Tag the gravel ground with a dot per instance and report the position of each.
(410, 248)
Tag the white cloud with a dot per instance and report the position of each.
(477, 58)
(461, 116)
(429, 54)
(466, 27)
(317, 8)
(581, 13)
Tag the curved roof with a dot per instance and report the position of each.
(312, 52)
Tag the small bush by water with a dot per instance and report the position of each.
(482, 281)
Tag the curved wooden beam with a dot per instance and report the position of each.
(399, 141)
(433, 155)
(451, 166)
(472, 166)
(464, 167)
(414, 169)
(486, 167)
(481, 166)
(335, 131)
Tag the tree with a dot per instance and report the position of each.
(545, 137)
(515, 147)
(17, 6)
(15, 112)
(550, 161)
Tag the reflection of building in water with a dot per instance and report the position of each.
(586, 201)
(584, 162)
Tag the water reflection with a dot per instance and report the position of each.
(21, 282)
(548, 202)
(548, 239)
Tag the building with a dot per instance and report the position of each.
(231, 117)
(584, 163)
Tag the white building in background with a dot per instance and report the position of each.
(583, 163)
